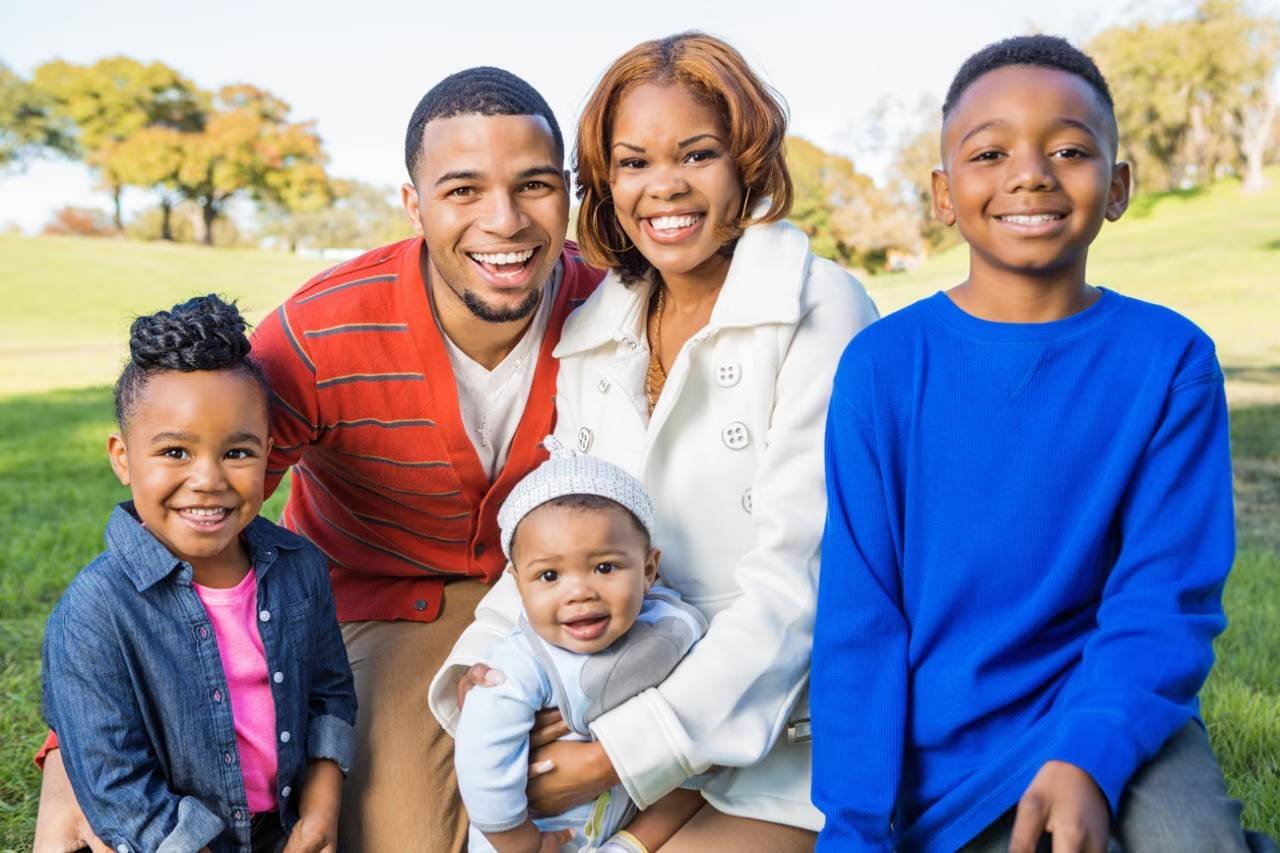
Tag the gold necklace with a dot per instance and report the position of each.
(656, 377)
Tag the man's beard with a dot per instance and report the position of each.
(501, 315)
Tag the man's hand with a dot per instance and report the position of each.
(317, 828)
(60, 824)
(1062, 800)
(578, 773)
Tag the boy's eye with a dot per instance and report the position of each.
(549, 576)
(987, 155)
(1070, 153)
(605, 568)
(174, 453)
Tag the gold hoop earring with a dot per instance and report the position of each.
(595, 220)
(745, 198)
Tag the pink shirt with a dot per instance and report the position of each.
(233, 614)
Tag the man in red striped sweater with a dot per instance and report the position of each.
(411, 389)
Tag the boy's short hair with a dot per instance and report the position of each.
(483, 90)
(1039, 51)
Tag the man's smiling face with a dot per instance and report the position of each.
(492, 202)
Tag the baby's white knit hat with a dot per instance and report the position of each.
(570, 473)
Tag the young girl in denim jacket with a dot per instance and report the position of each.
(194, 671)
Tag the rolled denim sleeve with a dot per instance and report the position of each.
(331, 716)
(113, 770)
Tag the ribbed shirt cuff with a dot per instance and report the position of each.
(647, 746)
(1099, 745)
(471, 648)
(197, 827)
(498, 825)
(332, 738)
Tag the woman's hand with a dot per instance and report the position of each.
(60, 824)
(578, 773)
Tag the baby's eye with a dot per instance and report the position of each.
(549, 576)
(605, 568)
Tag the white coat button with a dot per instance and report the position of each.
(631, 344)
(746, 501)
(584, 440)
(284, 737)
(278, 677)
(603, 384)
(727, 375)
(735, 436)
(265, 615)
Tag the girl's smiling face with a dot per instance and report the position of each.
(675, 186)
(194, 454)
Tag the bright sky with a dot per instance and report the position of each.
(359, 68)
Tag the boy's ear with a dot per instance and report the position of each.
(941, 185)
(119, 457)
(409, 200)
(1118, 195)
(651, 561)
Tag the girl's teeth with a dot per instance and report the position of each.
(206, 513)
(502, 258)
(664, 223)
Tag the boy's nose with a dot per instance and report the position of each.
(1030, 173)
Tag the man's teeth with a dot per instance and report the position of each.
(663, 223)
(1034, 219)
(502, 258)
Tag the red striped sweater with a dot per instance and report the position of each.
(365, 410)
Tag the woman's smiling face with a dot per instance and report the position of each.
(675, 186)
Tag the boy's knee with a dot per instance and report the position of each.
(1173, 826)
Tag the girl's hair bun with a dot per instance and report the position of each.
(203, 333)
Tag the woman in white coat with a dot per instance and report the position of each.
(703, 364)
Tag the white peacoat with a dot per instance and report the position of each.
(732, 457)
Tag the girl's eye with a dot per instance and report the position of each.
(240, 453)
(605, 568)
(549, 576)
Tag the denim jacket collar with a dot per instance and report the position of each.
(147, 561)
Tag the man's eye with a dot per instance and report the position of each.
(549, 576)
(461, 192)
(605, 568)
(534, 186)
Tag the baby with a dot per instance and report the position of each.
(595, 631)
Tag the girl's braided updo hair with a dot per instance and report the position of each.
(203, 333)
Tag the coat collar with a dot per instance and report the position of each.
(764, 284)
(147, 561)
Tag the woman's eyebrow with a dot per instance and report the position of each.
(628, 145)
(698, 137)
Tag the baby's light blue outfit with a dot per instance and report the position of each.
(491, 753)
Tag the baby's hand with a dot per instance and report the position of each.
(553, 841)
(478, 675)
(1063, 800)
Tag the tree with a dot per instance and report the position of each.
(111, 100)
(361, 216)
(28, 125)
(80, 222)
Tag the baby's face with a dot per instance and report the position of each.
(582, 574)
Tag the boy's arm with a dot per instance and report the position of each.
(858, 692)
(279, 349)
(113, 770)
(1161, 607)
(331, 716)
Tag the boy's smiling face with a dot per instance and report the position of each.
(1029, 173)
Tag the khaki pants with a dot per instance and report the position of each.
(402, 793)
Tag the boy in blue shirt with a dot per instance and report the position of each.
(1030, 516)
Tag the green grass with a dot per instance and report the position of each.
(1215, 256)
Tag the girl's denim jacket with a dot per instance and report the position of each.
(133, 685)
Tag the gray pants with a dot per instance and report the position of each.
(1176, 802)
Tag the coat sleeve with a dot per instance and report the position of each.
(722, 707)
(331, 707)
(114, 771)
(1141, 670)
(279, 350)
(859, 645)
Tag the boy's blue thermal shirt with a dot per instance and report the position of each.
(1028, 530)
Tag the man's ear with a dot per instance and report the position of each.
(1118, 194)
(942, 209)
(409, 200)
(568, 182)
(651, 561)
(119, 457)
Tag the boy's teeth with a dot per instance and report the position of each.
(502, 258)
(1035, 219)
(671, 222)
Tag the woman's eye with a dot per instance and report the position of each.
(605, 568)
(631, 163)
(701, 156)
(549, 576)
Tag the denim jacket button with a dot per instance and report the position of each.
(237, 815)
(217, 695)
(202, 632)
(278, 677)
(123, 848)
(285, 792)
(284, 737)
(226, 758)
(265, 615)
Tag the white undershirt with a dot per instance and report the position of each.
(492, 401)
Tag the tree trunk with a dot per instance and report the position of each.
(116, 192)
(166, 220)
(1256, 137)
(209, 212)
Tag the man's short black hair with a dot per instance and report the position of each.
(1040, 51)
(485, 91)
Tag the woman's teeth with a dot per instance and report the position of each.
(502, 258)
(671, 223)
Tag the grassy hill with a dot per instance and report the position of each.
(1215, 256)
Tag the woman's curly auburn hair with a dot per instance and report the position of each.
(708, 68)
